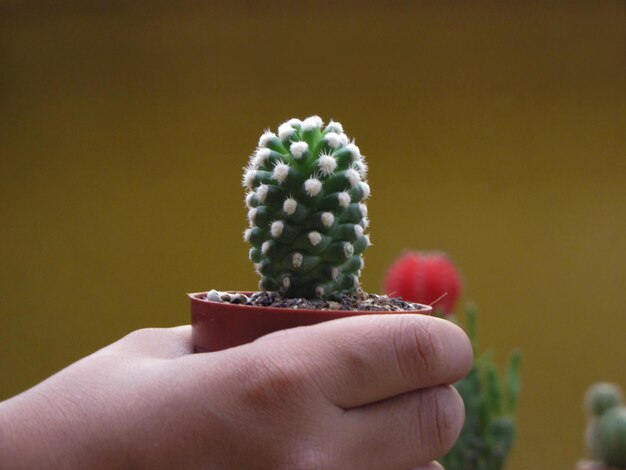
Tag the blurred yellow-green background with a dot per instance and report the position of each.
(494, 131)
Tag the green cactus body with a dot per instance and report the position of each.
(606, 427)
(600, 398)
(612, 437)
(307, 191)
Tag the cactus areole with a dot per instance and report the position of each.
(306, 197)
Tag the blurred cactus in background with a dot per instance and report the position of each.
(605, 434)
(429, 276)
(307, 187)
(490, 401)
(489, 431)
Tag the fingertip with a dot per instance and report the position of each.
(439, 350)
(465, 350)
(459, 347)
(412, 428)
(450, 416)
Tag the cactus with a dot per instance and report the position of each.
(489, 431)
(601, 397)
(426, 277)
(612, 437)
(606, 427)
(307, 191)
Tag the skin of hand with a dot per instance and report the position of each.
(366, 392)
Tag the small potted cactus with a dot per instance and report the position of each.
(306, 197)
(605, 434)
(488, 434)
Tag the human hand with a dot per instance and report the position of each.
(362, 392)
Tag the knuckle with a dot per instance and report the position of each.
(141, 335)
(266, 383)
(350, 365)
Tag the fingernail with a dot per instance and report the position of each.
(429, 466)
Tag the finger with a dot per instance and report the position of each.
(360, 360)
(163, 343)
(404, 431)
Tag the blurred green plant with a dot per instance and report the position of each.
(491, 402)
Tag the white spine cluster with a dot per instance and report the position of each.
(277, 228)
(312, 187)
(281, 171)
(285, 131)
(296, 260)
(353, 177)
(248, 177)
(298, 149)
(249, 197)
(261, 193)
(294, 122)
(290, 205)
(252, 215)
(328, 219)
(260, 157)
(327, 164)
(365, 189)
(315, 238)
(363, 210)
(361, 167)
(348, 250)
(344, 199)
(334, 126)
(354, 151)
(265, 138)
(312, 122)
(265, 247)
(333, 140)
(246, 234)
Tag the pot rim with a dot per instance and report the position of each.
(195, 297)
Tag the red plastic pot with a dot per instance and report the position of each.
(221, 325)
